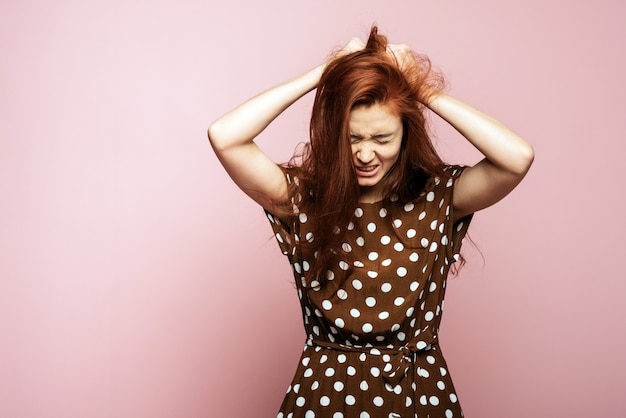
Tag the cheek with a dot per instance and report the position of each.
(392, 155)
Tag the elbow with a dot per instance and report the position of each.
(214, 136)
(529, 156)
(525, 158)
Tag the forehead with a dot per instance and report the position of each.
(373, 119)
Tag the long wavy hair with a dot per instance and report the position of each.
(325, 167)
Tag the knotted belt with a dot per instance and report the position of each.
(401, 358)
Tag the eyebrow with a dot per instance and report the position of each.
(378, 136)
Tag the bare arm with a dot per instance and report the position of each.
(232, 135)
(507, 155)
(232, 138)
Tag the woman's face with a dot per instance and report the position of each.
(376, 138)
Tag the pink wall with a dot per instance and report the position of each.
(137, 281)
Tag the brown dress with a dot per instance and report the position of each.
(372, 348)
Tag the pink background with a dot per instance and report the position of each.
(137, 281)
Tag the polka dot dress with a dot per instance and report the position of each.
(372, 348)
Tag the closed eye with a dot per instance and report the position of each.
(381, 139)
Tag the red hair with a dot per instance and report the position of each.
(365, 77)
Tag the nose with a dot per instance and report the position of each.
(364, 152)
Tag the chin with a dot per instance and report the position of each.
(368, 182)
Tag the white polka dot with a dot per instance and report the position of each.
(386, 262)
(300, 401)
(386, 287)
(430, 196)
(443, 373)
(433, 225)
(409, 207)
(401, 271)
(421, 345)
(398, 246)
(432, 287)
(350, 400)
(308, 372)
(364, 385)
(367, 327)
(414, 286)
(343, 265)
(441, 385)
(423, 400)
(382, 213)
(414, 257)
(338, 386)
(422, 215)
(357, 284)
(327, 305)
(342, 294)
(324, 401)
(372, 274)
(430, 359)
(410, 311)
(409, 401)
(397, 223)
(364, 415)
(449, 413)
(373, 256)
(378, 401)
(401, 336)
(309, 414)
(423, 372)
(398, 301)
(433, 247)
(371, 227)
(355, 313)
(411, 233)
(424, 242)
(346, 247)
(339, 323)
(429, 316)
(302, 217)
(358, 212)
(375, 371)
(453, 398)
(370, 301)
(385, 239)
(434, 400)
(329, 372)
(383, 315)
(351, 371)
(360, 241)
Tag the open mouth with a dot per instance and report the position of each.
(367, 171)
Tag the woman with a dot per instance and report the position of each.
(371, 220)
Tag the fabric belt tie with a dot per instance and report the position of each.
(401, 359)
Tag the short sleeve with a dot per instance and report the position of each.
(458, 230)
(285, 226)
